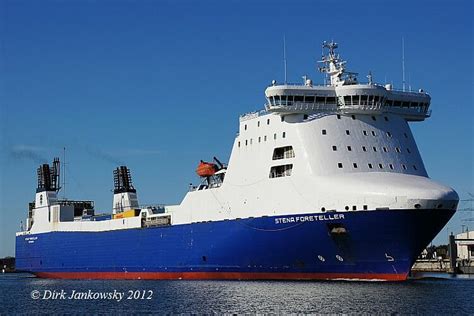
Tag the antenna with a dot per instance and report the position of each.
(64, 173)
(284, 55)
(403, 63)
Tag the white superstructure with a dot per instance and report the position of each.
(340, 147)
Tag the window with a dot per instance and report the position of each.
(265, 138)
(282, 118)
(349, 148)
(258, 124)
(268, 121)
(305, 116)
(283, 152)
(348, 132)
(406, 136)
(334, 148)
(354, 207)
(386, 119)
(373, 118)
(380, 166)
(339, 116)
(275, 136)
(353, 117)
(391, 166)
(251, 140)
(259, 139)
(246, 142)
(375, 149)
(373, 133)
(346, 208)
(355, 165)
(370, 165)
(365, 207)
(323, 132)
(385, 149)
(389, 134)
(414, 167)
(364, 148)
(283, 135)
(408, 150)
(398, 149)
(245, 126)
(281, 171)
(238, 144)
(404, 167)
(365, 133)
(339, 164)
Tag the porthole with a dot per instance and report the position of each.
(323, 209)
(417, 206)
(347, 208)
(354, 207)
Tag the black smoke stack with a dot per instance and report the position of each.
(123, 180)
(48, 177)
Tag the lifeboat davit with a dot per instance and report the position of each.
(206, 169)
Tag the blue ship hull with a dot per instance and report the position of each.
(381, 244)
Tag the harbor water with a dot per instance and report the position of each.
(22, 293)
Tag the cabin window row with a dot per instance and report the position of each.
(250, 141)
(354, 208)
(374, 166)
(406, 104)
(374, 149)
(365, 133)
(374, 118)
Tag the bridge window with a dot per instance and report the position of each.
(397, 103)
(299, 98)
(389, 102)
(283, 152)
(281, 171)
(309, 99)
(321, 99)
(331, 100)
(405, 104)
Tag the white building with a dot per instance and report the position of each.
(465, 245)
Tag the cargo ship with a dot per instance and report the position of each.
(325, 182)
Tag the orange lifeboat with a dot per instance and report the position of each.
(206, 169)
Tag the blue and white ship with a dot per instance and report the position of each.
(325, 183)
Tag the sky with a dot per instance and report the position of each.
(159, 85)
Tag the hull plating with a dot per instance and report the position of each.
(379, 245)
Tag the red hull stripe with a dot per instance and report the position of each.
(221, 276)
